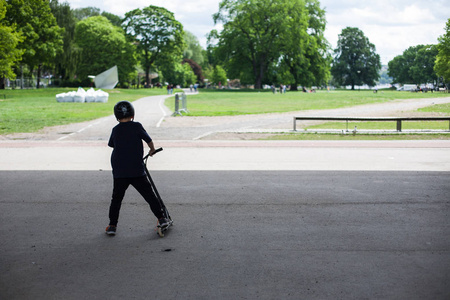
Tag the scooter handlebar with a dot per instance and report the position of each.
(156, 151)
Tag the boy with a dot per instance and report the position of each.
(127, 164)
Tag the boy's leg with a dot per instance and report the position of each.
(120, 186)
(143, 186)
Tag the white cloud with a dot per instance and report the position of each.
(392, 25)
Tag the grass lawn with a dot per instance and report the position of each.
(357, 137)
(406, 125)
(443, 109)
(34, 109)
(242, 102)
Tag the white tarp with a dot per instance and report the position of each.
(81, 96)
(108, 79)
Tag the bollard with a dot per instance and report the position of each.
(184, 103)
(177, 105)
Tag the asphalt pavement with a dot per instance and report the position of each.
(253, 220)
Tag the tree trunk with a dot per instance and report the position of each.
(147, 77)
(259, 75)
(38, 76)
(2, 83)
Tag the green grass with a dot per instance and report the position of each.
(242, 102)
(440, 108)
(357, 137)
(32, 110)
(406, 125)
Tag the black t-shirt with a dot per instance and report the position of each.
(126, 158)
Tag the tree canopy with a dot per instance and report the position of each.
(442, 66)
(305, 49)
(415, 65)
(42, 36)
(9, 40)
(355, 59)
(103, 46)
(158, 35)
(259, 36)
(193, 49)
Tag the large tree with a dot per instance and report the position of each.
(415, 65)
(42, 36)
(157, 34)
(66, 61)
(355, 59)
(262, 38)
(103, 46)
(442, 65)
(249, 41)
(193, 49)
(305, 49)
(9, 53)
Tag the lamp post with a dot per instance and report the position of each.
(359, 79)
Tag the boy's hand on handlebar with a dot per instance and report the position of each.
(153, 151)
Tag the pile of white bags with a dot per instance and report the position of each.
(82, 96)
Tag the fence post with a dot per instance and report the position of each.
(295, 124)
(399, 125)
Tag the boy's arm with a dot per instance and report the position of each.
(152, 148)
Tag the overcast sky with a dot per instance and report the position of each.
(391, 25)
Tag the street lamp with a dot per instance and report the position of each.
(359, 78)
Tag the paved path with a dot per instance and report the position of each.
(155, 117)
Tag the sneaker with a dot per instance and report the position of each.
(111, 230)
(163, 222)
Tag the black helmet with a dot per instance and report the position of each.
(123, 109)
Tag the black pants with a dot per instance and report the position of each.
(143, 186)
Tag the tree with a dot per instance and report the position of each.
(423, 69)
(219, 76)
(355, 59)
(415, 65)
(42, 36)
(114, 19)
(177, 73)
(305, 49)
(86, 12)
(249, 42)
(103, 45)
(196, 68)
(66, 61)
(10, 54)
(262, 39)
(193, 49)
(442, 65)
(159, 37)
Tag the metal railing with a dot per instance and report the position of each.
(375, 119)
(183, 98)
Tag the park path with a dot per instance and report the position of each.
(209, 143)
(157, 119)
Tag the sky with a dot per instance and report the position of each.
(391, 25)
